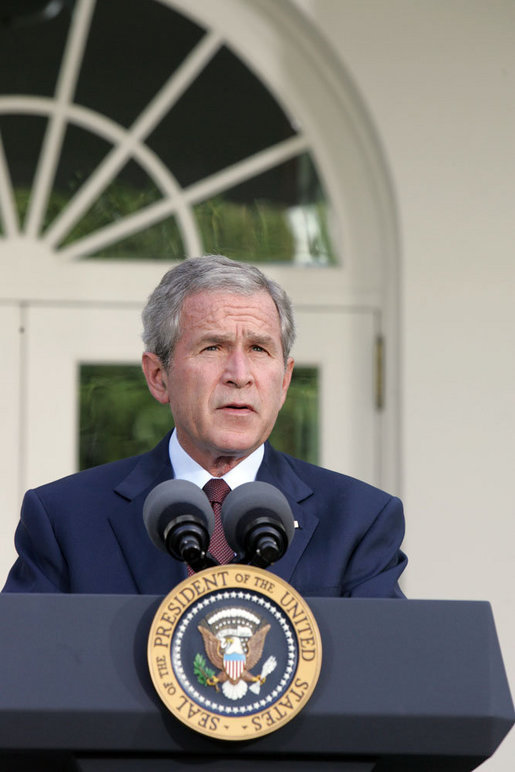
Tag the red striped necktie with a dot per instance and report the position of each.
(216, 490)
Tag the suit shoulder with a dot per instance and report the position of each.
(334, 483)
(104, 476)
(108, 471)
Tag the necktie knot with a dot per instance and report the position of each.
(216, 490)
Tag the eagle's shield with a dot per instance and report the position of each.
(234, 664)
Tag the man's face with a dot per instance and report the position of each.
(227, 379)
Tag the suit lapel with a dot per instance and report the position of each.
(153, 571)
(276, 470)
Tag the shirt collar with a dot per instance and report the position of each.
(185, 468)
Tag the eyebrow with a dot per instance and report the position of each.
(254, 338)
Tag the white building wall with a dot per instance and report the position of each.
(438, 78)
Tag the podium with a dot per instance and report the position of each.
(405, 685)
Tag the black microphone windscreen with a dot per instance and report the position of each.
(255, 499)
(172, 499)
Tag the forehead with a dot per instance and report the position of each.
(220, 309)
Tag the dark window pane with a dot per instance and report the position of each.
(226, 115)
(31, 47)
(22, 156)
(136, 44)
(119, 418)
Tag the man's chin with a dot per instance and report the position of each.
(237, 446)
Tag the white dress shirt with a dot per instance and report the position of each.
(185, 468)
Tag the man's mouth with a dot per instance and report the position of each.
(239, 408)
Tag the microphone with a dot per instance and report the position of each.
(179, 520)
(258, 523)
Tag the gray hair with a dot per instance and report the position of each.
(162, 314)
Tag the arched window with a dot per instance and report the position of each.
(145, 137)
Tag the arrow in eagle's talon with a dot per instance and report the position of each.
(268, 668)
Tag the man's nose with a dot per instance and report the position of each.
(237, 369)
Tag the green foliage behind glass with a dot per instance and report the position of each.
(119, 418)
(259, 231)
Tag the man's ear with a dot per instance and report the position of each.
(155, 374)
(288, 371)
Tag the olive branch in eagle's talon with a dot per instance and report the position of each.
(205, 675)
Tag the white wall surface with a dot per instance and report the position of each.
(438, 79)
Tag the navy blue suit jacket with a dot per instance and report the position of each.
(85, 533)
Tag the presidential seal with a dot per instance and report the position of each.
(234, 652)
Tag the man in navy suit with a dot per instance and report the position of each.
(218, 336)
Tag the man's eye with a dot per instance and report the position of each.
(258, 348)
